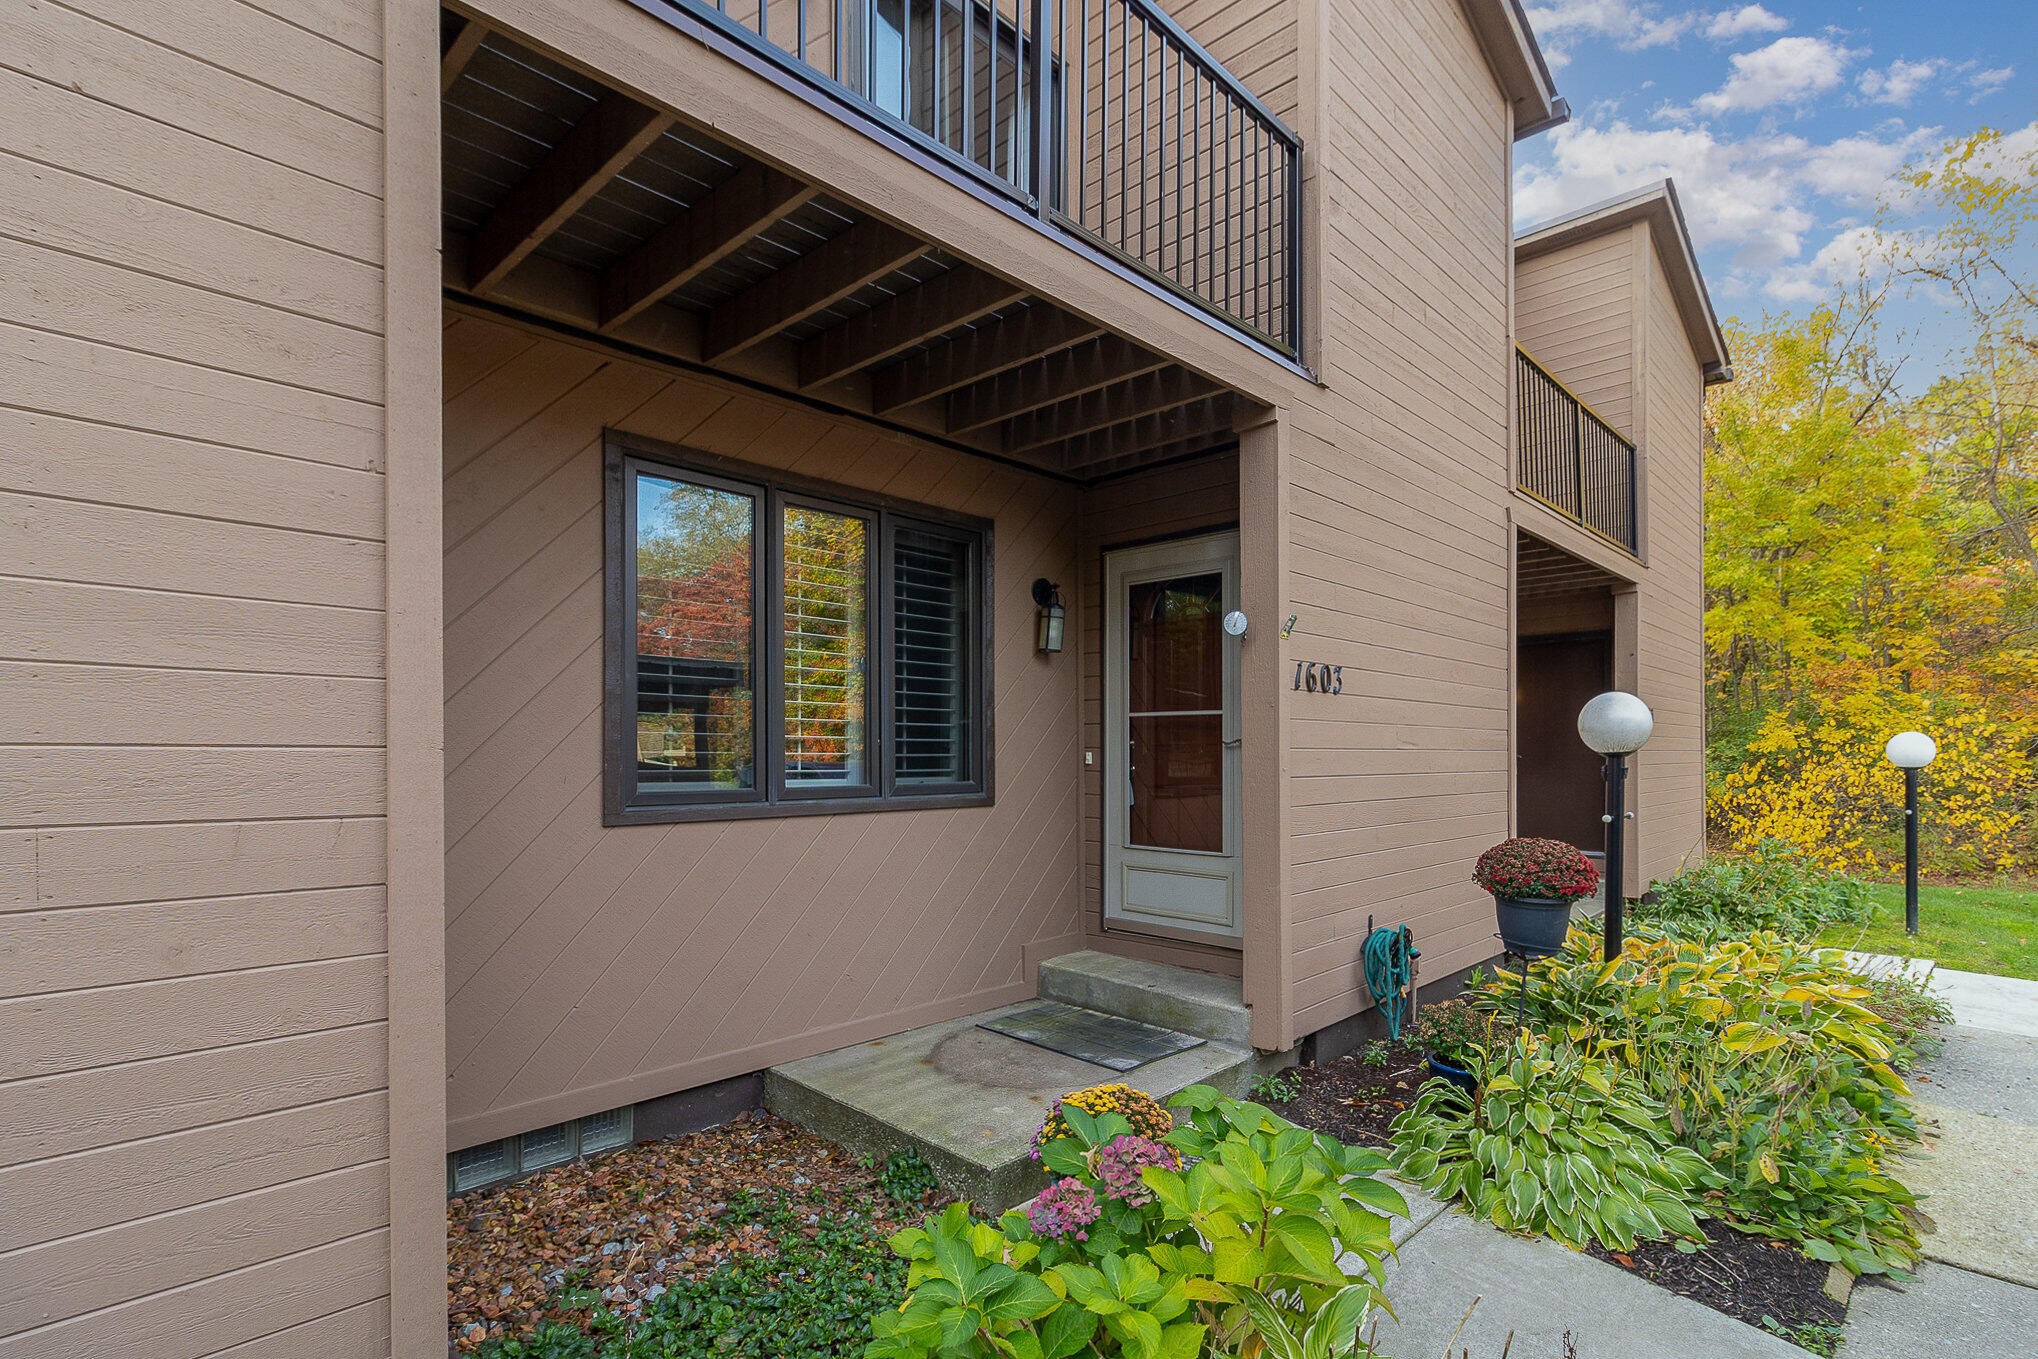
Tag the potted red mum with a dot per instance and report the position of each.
(1533, 883)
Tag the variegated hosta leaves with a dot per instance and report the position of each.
(1556, 1144)
(1764, 1057)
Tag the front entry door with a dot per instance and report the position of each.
(1171, 760)
(1559, 794)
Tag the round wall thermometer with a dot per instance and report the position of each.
(1235, 623)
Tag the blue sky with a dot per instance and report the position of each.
(1780, 123)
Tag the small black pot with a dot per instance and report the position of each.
(1456, 1075)
(1533, 926)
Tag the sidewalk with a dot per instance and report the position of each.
(1542, 1293)
(1977, 1103)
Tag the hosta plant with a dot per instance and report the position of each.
(1768, 1058)
(1556, 1143)
(1230, 1235)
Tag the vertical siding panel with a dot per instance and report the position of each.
(191, 387)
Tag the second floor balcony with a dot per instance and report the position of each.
(1570, 459)
(1102, 117)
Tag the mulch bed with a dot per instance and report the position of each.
(1747, 1277)
(1355, 1100)
(621, 1228)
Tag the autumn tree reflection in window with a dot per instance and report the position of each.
(695, 634)
(826, 648)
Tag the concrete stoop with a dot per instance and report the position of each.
(969, 1100)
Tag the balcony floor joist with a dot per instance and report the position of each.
(582, 205)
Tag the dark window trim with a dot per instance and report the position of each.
(772, 490)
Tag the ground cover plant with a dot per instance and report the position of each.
(1555, 1143)
(1991, 929)
(1226, 1235)
(1766, 1059)
(1774, 887)
(752, 1239)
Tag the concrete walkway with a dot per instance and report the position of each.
(1546, 1296)
(1977, 1104)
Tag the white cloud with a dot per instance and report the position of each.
(1789, 70)
(1986, 83)
(1855, 170)
(1759, 199)
(1730, 24)
(1741, 196)
(1634, 24)
(1899, 82)
(1855, 253)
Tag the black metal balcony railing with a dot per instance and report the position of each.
(1570, 459)
(1117, 127)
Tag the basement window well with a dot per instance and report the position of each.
(508, 1158)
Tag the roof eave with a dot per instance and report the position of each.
(1518, 64)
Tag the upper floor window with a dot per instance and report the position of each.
(778, 647)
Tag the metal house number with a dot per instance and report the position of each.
(1317, 678)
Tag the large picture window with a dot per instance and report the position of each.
(776, 646)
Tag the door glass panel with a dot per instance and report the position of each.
(826, 647)
(1175, 710)
(694, 634)
(1177, 663)
(1178, 782)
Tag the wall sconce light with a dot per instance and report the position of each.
(1052, 616)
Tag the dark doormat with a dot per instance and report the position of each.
(1091, 1035)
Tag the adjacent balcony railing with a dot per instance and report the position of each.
(1570, 459)
(1102, 116)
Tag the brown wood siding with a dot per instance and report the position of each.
(1168, 502)
(1252, 39)
(1398, 486)
(1575, 312)
(194, 1148)
(589, 967)
(1670, 625)
(1599, 314)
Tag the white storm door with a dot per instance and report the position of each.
(1171, 758)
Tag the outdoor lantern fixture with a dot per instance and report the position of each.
(1614, 726)
(1911, 751)
(1052, 616)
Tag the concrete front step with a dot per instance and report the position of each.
(969, 1100)
(1153, 993)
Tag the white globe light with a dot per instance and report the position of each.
(1615, 723)
(1911, 750)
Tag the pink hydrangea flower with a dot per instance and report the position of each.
(1065, 1208)
(1120, 1161)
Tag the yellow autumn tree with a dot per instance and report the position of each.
(1870, 559)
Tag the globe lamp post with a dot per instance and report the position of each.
(1911, 751)
(1614, 726)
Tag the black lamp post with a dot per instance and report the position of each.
(1911, 751)
(1614, 726)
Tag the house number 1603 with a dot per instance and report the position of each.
(1317, 678)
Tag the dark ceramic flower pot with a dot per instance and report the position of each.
(1533, 926)
(1456, 1075)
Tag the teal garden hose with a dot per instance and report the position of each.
(1389, 956)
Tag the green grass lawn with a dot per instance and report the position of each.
(1971, 929)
